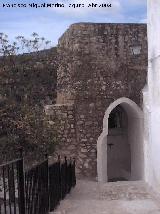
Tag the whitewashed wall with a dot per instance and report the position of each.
(152, 98)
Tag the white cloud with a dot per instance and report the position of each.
(51, 23)
(87, 11)
(144, 20)
(116, 13)
(138, 2)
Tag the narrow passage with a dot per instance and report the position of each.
(89, 197)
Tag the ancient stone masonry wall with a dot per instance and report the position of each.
(89, 117)
(27, 83)
(62, 119)
(96, 62)
(34, 80)
(96, 66)
(76, 133)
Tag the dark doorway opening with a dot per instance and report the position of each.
(118, 147)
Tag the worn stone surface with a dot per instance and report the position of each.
(62, 120)
(96, 62)
(111, 198)
(32, 79)
(96, 66)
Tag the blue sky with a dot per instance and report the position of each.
(52, 22)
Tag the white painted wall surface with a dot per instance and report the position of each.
(151, 96)
(135, 137)
(154, 51)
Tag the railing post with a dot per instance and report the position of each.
(74, 172)
(47, 184)
(66, 175)
(21, 188)
(59, 180)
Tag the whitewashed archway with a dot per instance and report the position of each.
(135, 136)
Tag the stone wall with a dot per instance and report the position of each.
(27, 83)
(30, 78)
(62, 120)
(92, 66)
(96, 62)
(96, 66)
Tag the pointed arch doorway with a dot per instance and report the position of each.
(120, 154)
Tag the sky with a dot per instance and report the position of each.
(51, 22)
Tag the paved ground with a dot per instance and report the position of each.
(90, 197)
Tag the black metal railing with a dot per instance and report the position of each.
(54, 184)
(36, 191)
(12, 188)
(61, 180)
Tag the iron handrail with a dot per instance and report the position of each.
(10, 162)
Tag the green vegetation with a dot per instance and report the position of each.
(27, 83)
